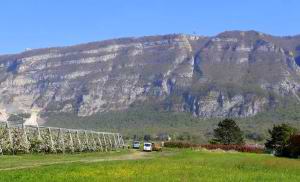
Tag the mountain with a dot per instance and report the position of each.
(233, 74)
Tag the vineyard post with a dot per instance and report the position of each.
(93, 140)
(110, 143)
(78, 140)
(25, 138)
(61, 139)
(119, 141)
(51, 139)
(105, 143)
(115, 141)
(10, 138)
(99, 140)
(71, 141)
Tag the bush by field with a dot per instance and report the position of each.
(239, 148)
(180, 144)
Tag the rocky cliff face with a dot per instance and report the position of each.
(232, 74)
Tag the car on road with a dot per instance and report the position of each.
(147, 147)
(136, 145)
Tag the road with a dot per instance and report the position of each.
(133, 155)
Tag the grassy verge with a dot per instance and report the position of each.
(29, 160)
(183, 165)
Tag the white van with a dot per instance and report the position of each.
(147, 147)
(136, 145)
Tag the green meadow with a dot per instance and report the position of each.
(169, 165)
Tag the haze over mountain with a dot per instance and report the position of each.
(232, 74)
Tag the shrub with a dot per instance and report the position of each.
(239, 148)
(180, 144)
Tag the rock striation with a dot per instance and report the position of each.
(236, 74)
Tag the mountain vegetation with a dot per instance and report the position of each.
(159, 84)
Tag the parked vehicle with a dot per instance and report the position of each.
(136, 145)
(147, 147)
(156, 147)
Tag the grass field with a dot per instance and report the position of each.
(171, 165)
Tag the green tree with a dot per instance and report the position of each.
(294, 146)
(185, 136)
(279, 139)
(228, 132)
(147, 138)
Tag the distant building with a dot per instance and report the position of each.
(3, 116)
(33, 119)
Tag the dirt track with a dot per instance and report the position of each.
(136, 155)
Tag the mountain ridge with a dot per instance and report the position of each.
(232, 74)
(158, 35)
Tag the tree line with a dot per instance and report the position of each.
(284, 140)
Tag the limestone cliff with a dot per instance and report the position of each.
(232, 74)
